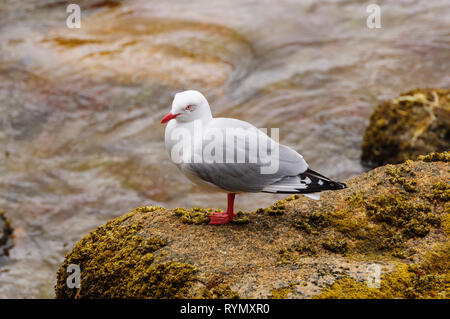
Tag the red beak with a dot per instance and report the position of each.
(169, 117)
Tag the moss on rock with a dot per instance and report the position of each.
(195, 215)
(384, 217)
(435, 157)
(221, 291)
(429, 279)
(415, 123)
(406, 218)
(199, 216)
(241, 218)
(313, 223)
(287, 256)
(118, 261)
(336, 245)
(156, 253)
(308, 248)
(283, 292)
(445, 222)
(401, 175)
(293, 254)
(279, 207)
(440, 191)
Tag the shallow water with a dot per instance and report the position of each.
(80, 108)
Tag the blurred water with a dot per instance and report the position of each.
(80, 108)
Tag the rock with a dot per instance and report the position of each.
(5, 233)
(415, 123)
(394, 218)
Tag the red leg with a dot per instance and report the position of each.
(219, 218)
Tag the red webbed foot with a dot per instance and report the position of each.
(219, 218)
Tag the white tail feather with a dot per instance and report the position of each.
(315, 196)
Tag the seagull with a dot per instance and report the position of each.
(248, 162)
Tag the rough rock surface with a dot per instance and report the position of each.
(415, 123)
(394, 217)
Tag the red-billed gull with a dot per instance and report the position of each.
(233, 156)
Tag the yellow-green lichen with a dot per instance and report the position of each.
(415, 123)
(286, 256)
(195, 215)
(290, 255)
(411, 219)
(379, 222)
(241, 218)
(440, 191)
(445, 223)
(313, 223)
(199, 216)
(429, 279)
(308, 248)
(335, 245)
(221, 291)
(283, 292)
(404, 254)
(402, 175)
(146, 209)
(435, 157)
(353, 225)
(118, 261)
(279, 207)
(398, 253)
(349, 288)
(394, 218)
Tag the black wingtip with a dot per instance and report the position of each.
(336, 185)
(342, 185)
(330, 184)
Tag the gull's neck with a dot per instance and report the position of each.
(207, 115)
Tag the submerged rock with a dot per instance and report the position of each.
(394, 218)
(415, 123)
(5, 233)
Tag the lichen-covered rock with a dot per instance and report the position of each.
(5, 233)
(427, 279)
(396, 217)
(118, 261)
(415, 123)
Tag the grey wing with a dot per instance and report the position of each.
(250, 177)
(232, 177)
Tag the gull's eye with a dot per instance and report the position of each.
(188, 107)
